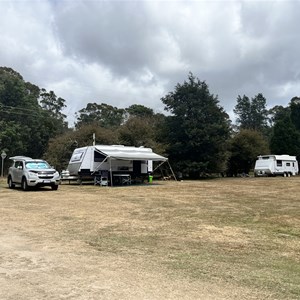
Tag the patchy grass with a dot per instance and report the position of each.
(242, 233)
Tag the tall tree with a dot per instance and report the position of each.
(19, 113)
(197, 130)
(243, 112)
(295, 112)
(54, 120)
(52, 104)
(252, 114)
(259, 113)
(29, 124)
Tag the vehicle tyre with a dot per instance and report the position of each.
(284, 174)
(54, 187)
(24, 184)
(288, 174)
(11, 185)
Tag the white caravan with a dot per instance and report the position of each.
(272, 165)
(114, 160)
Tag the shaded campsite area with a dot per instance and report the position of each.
(227, 238)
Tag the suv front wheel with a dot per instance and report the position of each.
(11, 185)
(24, 184)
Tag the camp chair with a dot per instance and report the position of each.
(126, 180)
(97, 178)
(104, 178)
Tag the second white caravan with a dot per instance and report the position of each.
(273, 165)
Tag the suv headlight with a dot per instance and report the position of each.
(32, 174)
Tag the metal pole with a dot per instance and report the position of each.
(3, 155)
(172, 171)
(111, 175)
(2, 167)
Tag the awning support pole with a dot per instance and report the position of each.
(169, 167)
(100, 165)
(159, 165)
(172, 171)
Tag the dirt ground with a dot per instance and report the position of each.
(47, 252)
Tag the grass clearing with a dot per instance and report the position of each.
(240, 236)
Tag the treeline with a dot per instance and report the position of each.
(197, 134)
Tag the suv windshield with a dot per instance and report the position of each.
(37, 165)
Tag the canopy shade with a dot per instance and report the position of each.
(129, 153)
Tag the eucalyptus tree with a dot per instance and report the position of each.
(19, 113)
(27, 123)
(138, 110)
(105, 115)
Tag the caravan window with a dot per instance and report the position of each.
(77, 156)
(279, 163)
(98, 157)
(288, 164)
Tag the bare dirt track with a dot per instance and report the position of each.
(87, 242)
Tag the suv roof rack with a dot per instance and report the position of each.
(19, 157)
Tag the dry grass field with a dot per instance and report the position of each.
(229, 238)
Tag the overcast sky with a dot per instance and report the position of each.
(135, 52)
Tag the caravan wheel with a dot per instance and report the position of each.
(284, 174)
(288, 174)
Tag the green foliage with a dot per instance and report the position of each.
(10, 137)
(277, 113)
(140, 111)
(26, 125)
(197, 130)
(138, 131)
(286, 138)
(52, 104)
(104, 115)
(252, 114)
(295, 112)
(244, 148)
(286, 130)
(243, 111)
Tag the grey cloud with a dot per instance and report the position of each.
(119, 35)
(126, 52)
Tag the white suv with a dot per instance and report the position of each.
(29, 172)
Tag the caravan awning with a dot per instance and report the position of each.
(129, 153)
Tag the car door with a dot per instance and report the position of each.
(18, 171)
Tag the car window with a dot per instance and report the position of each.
(36, 165)
(19, 164)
